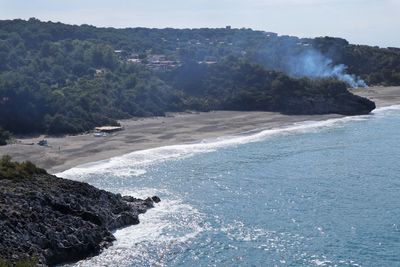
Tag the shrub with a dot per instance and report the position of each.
(19, 263)
(4, 136)
(16, 170)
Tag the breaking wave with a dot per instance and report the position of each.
(174, 225)
(135, 163)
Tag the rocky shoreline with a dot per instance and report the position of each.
(346, 103)
(51, 220)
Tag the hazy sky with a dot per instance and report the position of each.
(373, 22)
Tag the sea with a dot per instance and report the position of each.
(316, 193)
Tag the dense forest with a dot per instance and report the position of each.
(57, 78)
(239, 85)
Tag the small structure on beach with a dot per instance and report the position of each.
(43, 142)
(100, 134)
(108, 129)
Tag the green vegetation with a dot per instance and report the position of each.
(19, 263)
(239, 85)
(15, 170)
(58, 79)
(4, 136)
(377, 66)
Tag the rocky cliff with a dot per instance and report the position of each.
(344, 104)
(54, 220)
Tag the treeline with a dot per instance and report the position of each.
(72, 86)
(377, 66)
(57, 78)
(239, 85)
(373, 64)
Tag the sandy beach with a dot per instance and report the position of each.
(138, 134)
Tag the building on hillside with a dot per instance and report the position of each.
(209, 60)
(100, 72)
(156, 58)
(134, 60)
(161, 63)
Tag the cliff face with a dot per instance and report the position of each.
(344, 104)
(56, 220)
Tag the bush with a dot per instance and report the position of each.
(4, 136)
(19, 263)
(16, 170)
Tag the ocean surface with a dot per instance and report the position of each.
(313, 194)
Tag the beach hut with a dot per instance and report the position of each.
(108, 129)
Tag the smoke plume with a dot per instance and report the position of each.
(313, 64)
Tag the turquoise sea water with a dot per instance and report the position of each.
(313, 194)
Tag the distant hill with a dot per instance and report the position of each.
(59, 78)
(374, 65)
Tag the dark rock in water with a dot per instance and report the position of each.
(156, 199)
(56, 220)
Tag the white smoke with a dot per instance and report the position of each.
(313, 64)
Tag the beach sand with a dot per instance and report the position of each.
(178, 128)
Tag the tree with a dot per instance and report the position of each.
(4, 136)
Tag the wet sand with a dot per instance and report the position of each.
(178, 128)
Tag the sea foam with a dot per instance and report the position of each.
(169, 226)
(159, 232)
(135, 163)
(386, 109)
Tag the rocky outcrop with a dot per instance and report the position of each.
(344, 104)
(55, 220)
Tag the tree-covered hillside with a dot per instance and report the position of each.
(59, 78)
(239, 85)
(373, 64)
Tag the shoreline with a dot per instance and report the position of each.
(177, 128)
(47, 220)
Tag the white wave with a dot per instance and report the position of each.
(168, 227)
(386, 109)
(322, 262)
(135, 163)
(173, 224)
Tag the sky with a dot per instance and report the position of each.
(371, 22)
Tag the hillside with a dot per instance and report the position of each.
(373, 64)
(57, 78)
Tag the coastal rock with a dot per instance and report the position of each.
(345, 104)
(156, 199)
(56, 220)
